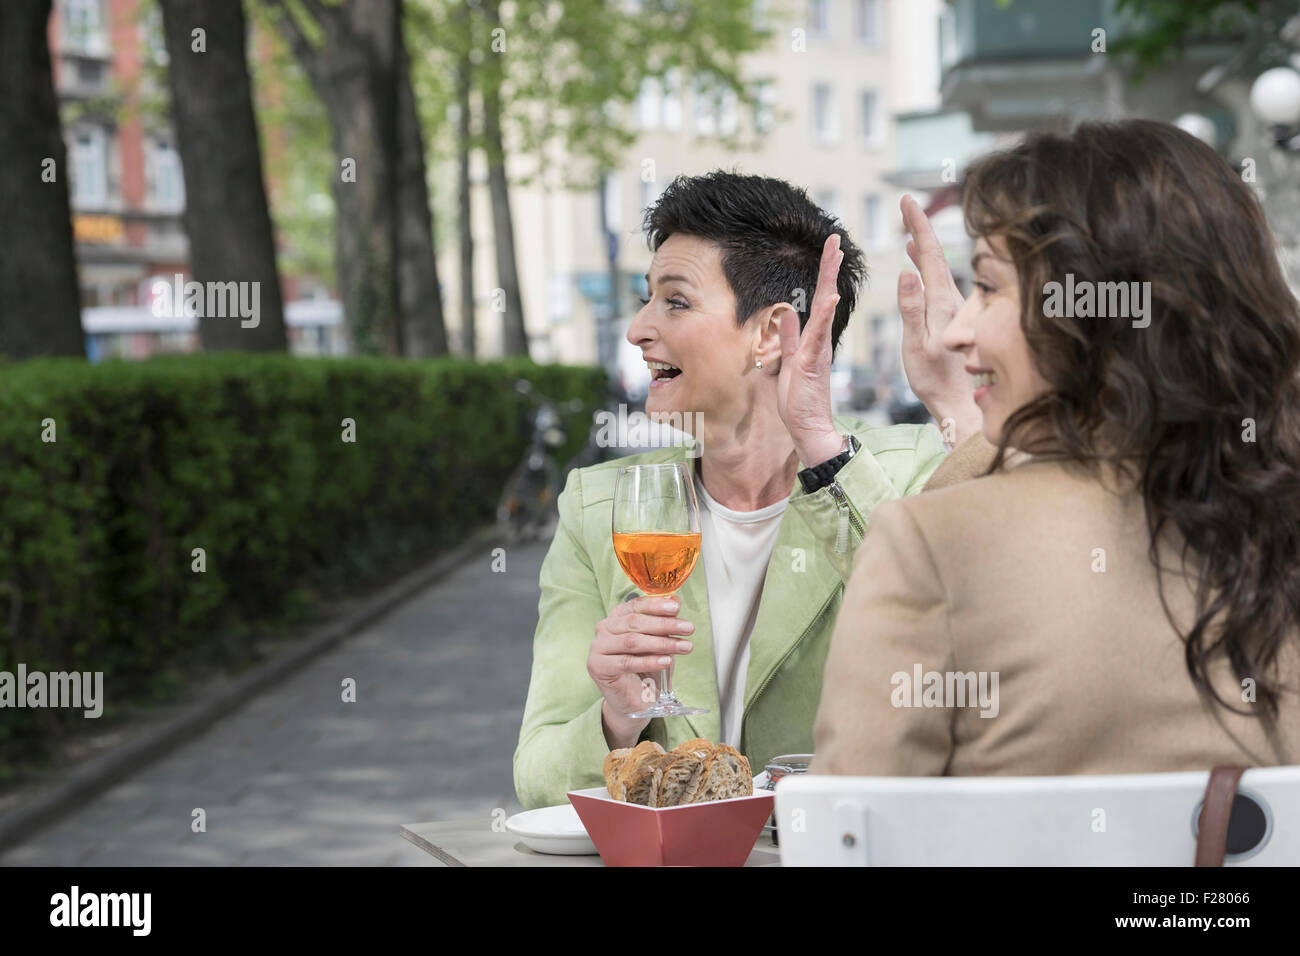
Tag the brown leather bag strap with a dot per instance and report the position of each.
(1216, 808)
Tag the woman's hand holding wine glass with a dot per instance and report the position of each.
(656, 536)
(633, 643)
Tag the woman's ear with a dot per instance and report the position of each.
(767, 334)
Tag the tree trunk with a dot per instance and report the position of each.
(465, 225)
(515, 335)
(40, 297)
(417, 276)
(366, 224)
(226, 214)
(354, 72)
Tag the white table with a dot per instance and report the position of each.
(475, 843)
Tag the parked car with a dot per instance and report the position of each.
(841, 387)
(863, 388)
(905, 408)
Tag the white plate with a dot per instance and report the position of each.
(555, 830)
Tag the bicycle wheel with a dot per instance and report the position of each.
(526, 503)
(514, 507)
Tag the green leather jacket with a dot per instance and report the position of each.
(562, 743)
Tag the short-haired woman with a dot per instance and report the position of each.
(750, 288)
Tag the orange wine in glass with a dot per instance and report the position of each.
(657, 541)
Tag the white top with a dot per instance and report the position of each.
(735, 547)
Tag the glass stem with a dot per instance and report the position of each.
(666, 695)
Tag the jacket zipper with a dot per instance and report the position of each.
(781, 663)
(847, 518)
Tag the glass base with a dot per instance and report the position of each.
(669, 708)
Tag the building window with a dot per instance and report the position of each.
(948, 52)
(829, 201)
(650, 104)
(869, 118)
(649, 192)
(764, 107)
(872, 222)
(164, 182)
(155, 41)
(715, 108)
(91, 73)
(706, 113)
(867, 22)
(83, 27)
(727, 111)
(89, 168)
(819, 17)
(672, 100)
(825, 129)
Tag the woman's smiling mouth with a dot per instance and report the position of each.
(983, 381)
(661, 373)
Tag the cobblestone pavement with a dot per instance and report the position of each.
(299, 777)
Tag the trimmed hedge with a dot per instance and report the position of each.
(242, 456)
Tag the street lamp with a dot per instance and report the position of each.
(1275, 100)
(1275, 96)
(1202, 127)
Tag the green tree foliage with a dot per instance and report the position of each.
(568, 72)
(296, 146)
(1165, 27)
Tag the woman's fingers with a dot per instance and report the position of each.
(926, 252)
(628, 664)
(649, 605)
(817, 332)
(610, 666)
(641, 644)
(815, 336)
(911, 305)
(632, 624)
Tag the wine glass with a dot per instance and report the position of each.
(657, 540)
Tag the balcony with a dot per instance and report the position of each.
(932, 149)
(84, 77)
(1019, 65)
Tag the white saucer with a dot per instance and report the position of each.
(555, 830)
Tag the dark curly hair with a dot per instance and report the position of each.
(771, 235)
(1202, 406)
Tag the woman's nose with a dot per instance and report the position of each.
(959, 336)
(638, 329)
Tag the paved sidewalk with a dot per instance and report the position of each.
(298, 777)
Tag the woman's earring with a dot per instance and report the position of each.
(758, 363)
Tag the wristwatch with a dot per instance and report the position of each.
(819, 476)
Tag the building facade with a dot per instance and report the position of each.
(127, 187)
(831, 79)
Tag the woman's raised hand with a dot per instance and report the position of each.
(804, 382)
(937, 375)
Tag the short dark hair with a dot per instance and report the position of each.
(771, 236)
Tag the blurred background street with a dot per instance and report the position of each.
(298, 778)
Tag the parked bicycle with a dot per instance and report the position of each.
(527, 509)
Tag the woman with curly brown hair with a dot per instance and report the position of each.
(1121, 593)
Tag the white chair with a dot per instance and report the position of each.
(1119, 820)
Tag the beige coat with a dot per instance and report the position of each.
(1039, 575)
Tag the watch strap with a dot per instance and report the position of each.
(819, 476)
